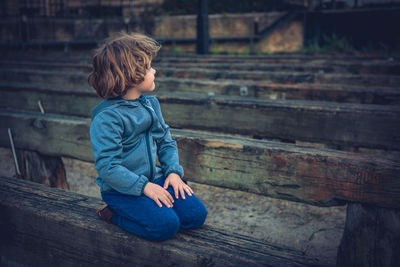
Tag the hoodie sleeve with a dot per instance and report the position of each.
(106, 138)
(167, 149)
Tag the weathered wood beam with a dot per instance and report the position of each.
(315, 92)
(259, 89)
(213, 74)
(319, 67)
(295, 57)
(76, 56)
(283, 77)
(371, 237)
(42, 226)
(53, 135)
(372, 126)
(320, 177)
(347, 67)
(42, 169)
(62, 100)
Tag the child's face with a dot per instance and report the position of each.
(148, 84)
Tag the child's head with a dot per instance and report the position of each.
(121, 63)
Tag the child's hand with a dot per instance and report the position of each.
(178, 185)
(157, 193)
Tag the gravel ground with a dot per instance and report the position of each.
(314, 230)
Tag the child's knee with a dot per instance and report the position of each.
(201, 217)
(164, 228)
(196, 219)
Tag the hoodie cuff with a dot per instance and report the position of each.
(144, 185)
(179, 172)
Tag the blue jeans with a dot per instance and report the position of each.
(141, 216)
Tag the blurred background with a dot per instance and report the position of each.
(235, 27)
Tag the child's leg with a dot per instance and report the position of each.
(141, 216)
(191, 211)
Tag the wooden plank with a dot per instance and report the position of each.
(263, 90)
(320, 177)
(300, 58)
(371, 237)
(371, 126)
(273, 58)
(42, 169)
(212, 74)
(53, 135)
(349, 67)
(72, 79)
(63, 229)
(324, 67)
(258, 89)
(283, 77)
(62, 100)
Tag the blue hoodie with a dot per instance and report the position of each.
(126, 137)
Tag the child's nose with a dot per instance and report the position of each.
(154, 71)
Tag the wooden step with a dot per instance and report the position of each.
(256, 89)
(337, 124)
(316, 92)
(270, 77)
(321, 177)
(52, 227)
(283, 77)
(392, 68)
(81, 56)
(280, 56)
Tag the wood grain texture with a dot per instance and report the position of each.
(295, 173)
(273, 59)
(354, 125)
(320, 177)
(367, 64)
(284, 77)
(42, 169)
(43, 226)
(80, 78)
(371, 237)
(258, 89)
(314, 66)
(49, 134)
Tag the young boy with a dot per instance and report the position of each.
(127, 133)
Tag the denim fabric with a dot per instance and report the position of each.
(141, 216)
(127, 136)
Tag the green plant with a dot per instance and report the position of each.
(213, 49)
(176, 49)
(245, 51)
(337, 43)
(329, 43)
(312, 47)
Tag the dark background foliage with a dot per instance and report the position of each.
(180, 7)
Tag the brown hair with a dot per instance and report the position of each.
(121, 62)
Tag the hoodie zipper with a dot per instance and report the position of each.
(148, 141)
